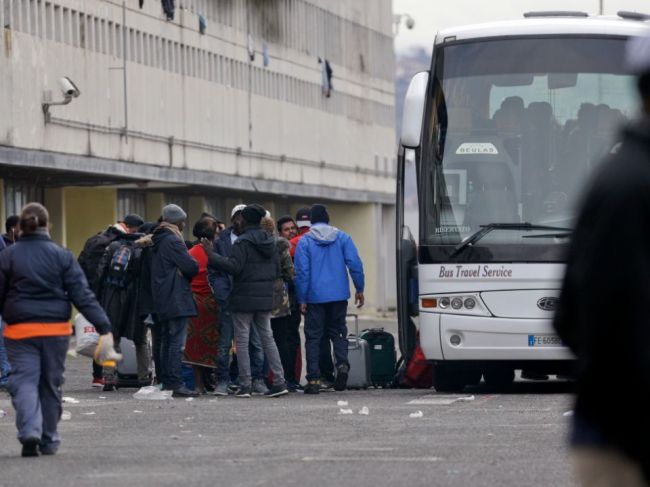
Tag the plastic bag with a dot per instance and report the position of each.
(152, 393)
(87, 336)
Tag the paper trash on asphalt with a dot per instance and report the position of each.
(3, 413)
(568, 414)
(89, 413)
(70, 400)
(418, 414)
(189, 399)
(151, 393)
(66, 416)
(466, 398)
(342, 404)
(346, 411)
(364, 411)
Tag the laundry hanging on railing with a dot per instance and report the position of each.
(141, 3)
(251, 48)
(326, 77)
(202, 24)
(265, 54)
(168, 7)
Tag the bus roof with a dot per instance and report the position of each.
(597, 25)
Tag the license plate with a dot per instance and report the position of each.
(544, 341)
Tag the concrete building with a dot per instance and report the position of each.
(207, 105)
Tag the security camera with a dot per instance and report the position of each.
(410, 23)
(68, 88)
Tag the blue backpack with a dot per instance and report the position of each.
(118, 268)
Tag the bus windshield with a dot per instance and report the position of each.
(515, 127)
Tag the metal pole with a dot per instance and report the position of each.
(126, 94)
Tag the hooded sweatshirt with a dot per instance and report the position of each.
(255, 266)
(323, 258)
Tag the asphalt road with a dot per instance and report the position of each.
(479, 438)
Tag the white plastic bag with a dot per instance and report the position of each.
(152, 393)
(87, 336)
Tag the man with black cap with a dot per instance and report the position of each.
(172, 269)
(221, 283)
(323, 258)
(254, 266)
(603, 313)
(93, 263)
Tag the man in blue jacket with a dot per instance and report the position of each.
(172, 269)
(323, 258)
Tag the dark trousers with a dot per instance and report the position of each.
(325, 361)
(173, 333)
(325, 320)
(156, 349)
(35, 386)
(226, 336)
(286, 333)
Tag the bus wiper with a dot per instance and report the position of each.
(485, 229)
(549, 235)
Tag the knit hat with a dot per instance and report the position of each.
(173, 214)
(253, 214)
(133, 220)
(318, 214)
(302, 218)
(236, 210)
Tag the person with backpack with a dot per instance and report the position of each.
(38, 283)
(91, 260)
(323, 258)
(254, 266)
(172, 269)
(118, 294)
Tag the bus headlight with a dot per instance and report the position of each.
(457, 303)
(444, 302)
(469, 303)
(466, 304)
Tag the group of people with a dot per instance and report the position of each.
(229, 304)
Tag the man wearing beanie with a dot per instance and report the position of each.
(254, 266)
(304, 224)
(221, 283)
(172, 269)
(603, 313)
(323, 258)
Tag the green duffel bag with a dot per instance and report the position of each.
(382, 356)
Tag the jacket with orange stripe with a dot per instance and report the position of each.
(38, 282)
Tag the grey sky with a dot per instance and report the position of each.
(433, 15)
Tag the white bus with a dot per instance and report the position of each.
(498, 139)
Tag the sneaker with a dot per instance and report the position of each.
(244, 391)
(294, 387)
(341, 381)
(326, 385)
(221, 389)
(30, 447)
(277, 391)
(259, 388)
(313, 387)
(97, 382)
(108, 386)
(185, 392)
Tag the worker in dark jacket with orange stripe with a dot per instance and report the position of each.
(38, 282)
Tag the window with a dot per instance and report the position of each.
(129, 201)
(18, 194)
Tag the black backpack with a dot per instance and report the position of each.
(90, 258)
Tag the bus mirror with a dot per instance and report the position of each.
(412, 117)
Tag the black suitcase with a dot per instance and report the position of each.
(383, 357)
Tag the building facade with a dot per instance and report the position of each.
(204, 103)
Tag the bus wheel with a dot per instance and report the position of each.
(499, 377)
(446, 379)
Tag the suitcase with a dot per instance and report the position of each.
(382, 356)
(359, 358)
(127, 368)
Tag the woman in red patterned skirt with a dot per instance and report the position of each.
(202, 331)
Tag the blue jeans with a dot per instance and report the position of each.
(35, 386)
(5, 368)
(172, 341)
(226, 336)
(325, 320)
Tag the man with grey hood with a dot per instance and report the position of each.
(323, 258)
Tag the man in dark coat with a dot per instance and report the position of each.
(172, 269)
(603, 315)
(254, 266)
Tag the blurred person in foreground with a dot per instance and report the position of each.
(38, 282)
(603, 314)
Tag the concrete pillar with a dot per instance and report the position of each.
(54, 200)
(154, 203)
(87, 211)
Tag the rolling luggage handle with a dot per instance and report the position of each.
(356, 330)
